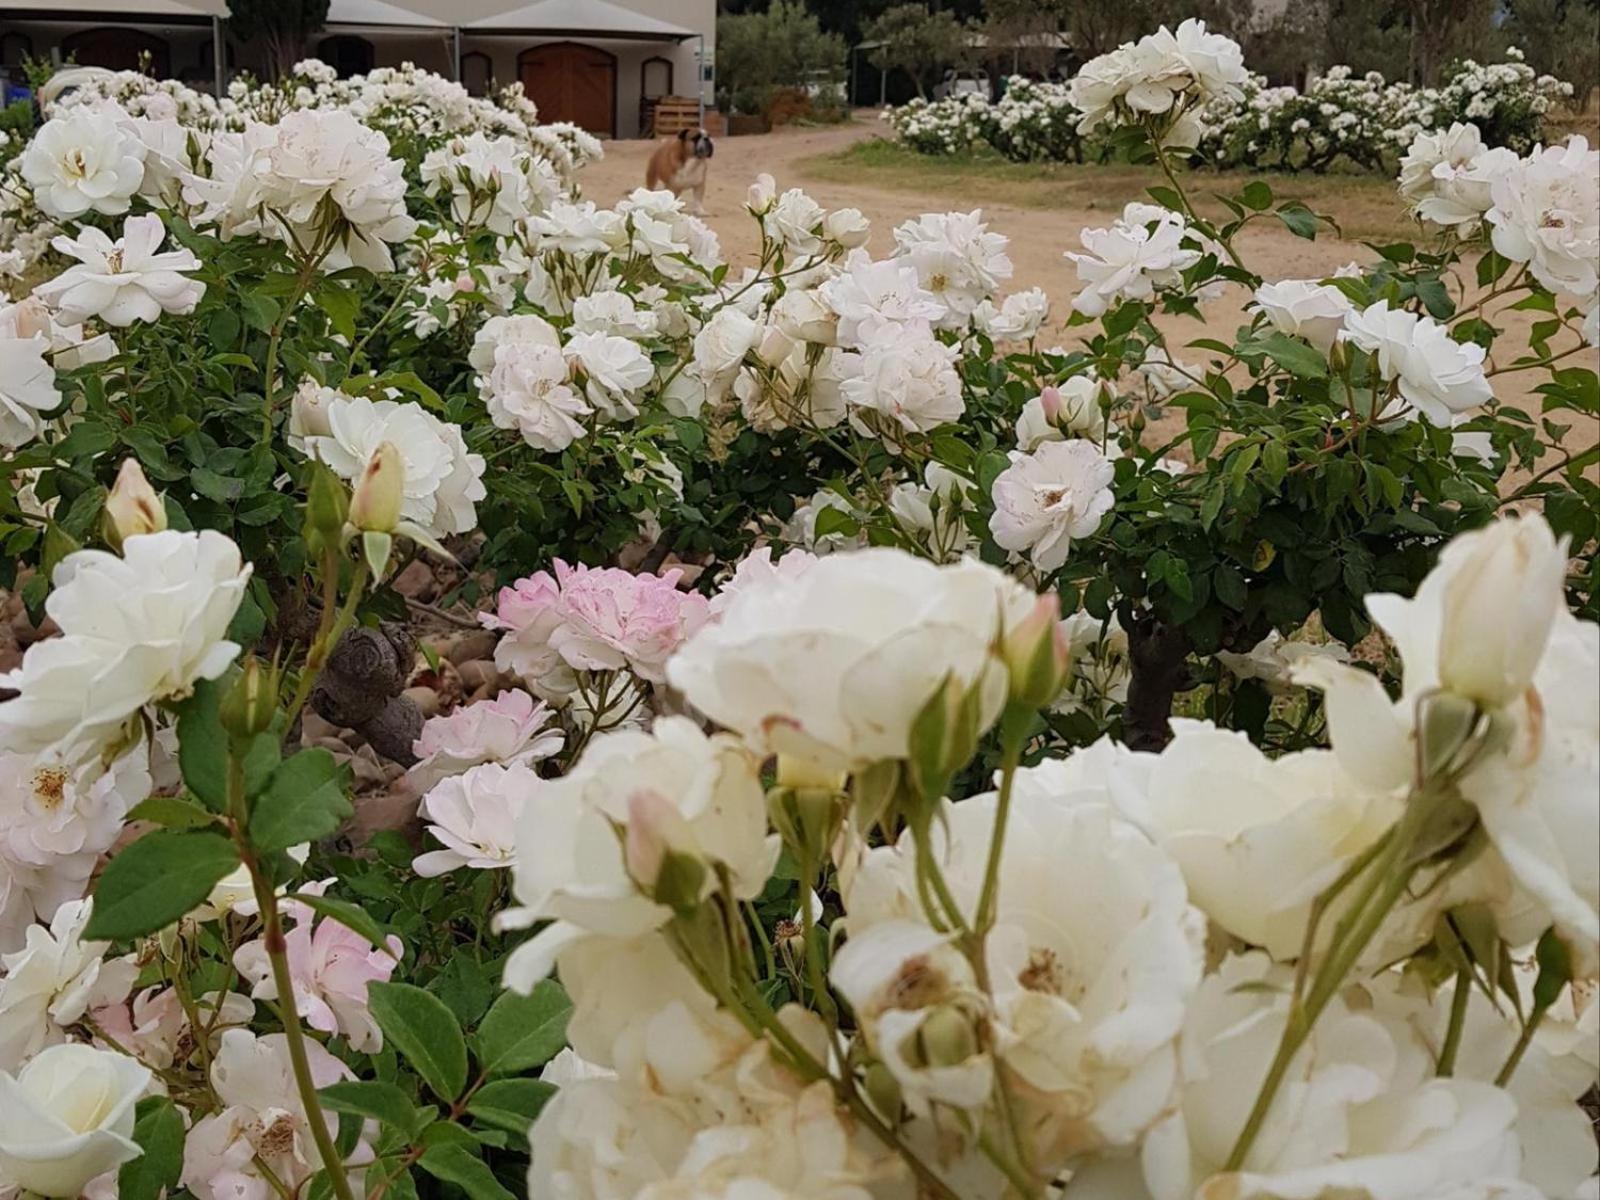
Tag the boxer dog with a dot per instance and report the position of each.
(679, 165)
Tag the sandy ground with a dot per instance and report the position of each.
(1038, 237)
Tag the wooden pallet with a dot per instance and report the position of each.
(674, 114)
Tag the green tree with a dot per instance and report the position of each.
(921, 43)
(783, 47)
(283, 25)
(1561, 37)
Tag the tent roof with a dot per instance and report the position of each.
(379, 12)
(182, 11)
(587, 18)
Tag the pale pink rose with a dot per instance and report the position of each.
(757, 569)
(530, 611)
(152, 1023)
(615, 619)
(511, 728)
(331, 966)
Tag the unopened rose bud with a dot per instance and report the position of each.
(327, 507)
(847, 227)
(251, 703)
(380, 491)
(807, 819)
(1037, 655)
(1050, 401)
(945, 1038)
(883, 1090)
(308, 412)
(665, 874)
(1500, 601)
(944, 736)
(762, 195)
(132, 506)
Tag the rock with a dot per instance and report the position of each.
(478, 674)
(417, 582)
(466, 647)
(425, 698)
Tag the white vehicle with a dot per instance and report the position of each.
(962, 83)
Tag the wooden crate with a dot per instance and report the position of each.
(674, 114)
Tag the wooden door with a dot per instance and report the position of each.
(572, 82)
(117, 49)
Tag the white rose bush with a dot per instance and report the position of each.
(898, 770)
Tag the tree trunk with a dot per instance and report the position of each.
(360, 689)
(1159, 656)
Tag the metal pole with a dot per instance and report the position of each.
(219, 53)
(455, 43)
(700, 76)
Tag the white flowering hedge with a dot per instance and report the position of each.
(1341, 118)
(964, 792)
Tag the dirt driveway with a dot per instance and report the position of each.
(1038, 237)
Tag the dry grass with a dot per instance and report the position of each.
(1363, 205)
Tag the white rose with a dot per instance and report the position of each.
(83, 161)
(1131, 261)
(27, 388)
(832, 665)
(54, 981)
(1547, 214)
(474, 817)
(847, 226)
(1045, 499)
(1070, 408)
(795, 222)
(1437, 375)
(521, 329)
(136, 629)
(907, 378)
(762, 194)
(527, 390)
(615, 368)
(124, 281)
(442, 480)
(1257, 838)
(1360, 1112)
(723, 341)
(675, 789)
(869, 294)
(803, 315)
(69, 1118)
(1304, 308)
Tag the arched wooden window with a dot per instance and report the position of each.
(346, 53)
(572, 82)
(117, 48)
(477, 72)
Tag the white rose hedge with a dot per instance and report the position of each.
(924, 759)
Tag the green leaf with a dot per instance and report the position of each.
(171, 811)
(158, 1130)
(1295, 356)
(383, 1102)
(424, 1030)
(152, 882)
(203, 746)
(510, 1104)
(1436, 299)
(1256, 194)
(520, 1032)
(259, 311)
(352, 916)
(1301, 221)
(465, 986)
(214, 486)
(343, 306)
(456, 1164)
(304, 800)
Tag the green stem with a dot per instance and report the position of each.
(1458, 1023)
(1524, 1040)
(278, 956)
(1389, 877)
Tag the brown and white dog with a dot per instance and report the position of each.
(679, 165)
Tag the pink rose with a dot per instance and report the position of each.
(331, 966)
(511, 728)
(616, 619)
